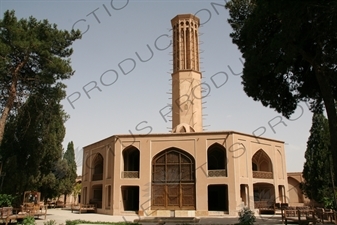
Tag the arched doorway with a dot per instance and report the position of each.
(173, 180)
(294, 192)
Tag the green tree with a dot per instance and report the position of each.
(34, 57)
(32, 143)
(290, 52)
(77, 190)
(70, 178)
(52, 185)
(69, 155)
(317, 170)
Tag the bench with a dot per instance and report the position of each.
(299, 215)
(83, 208)
(15, 217)
(265, 207)
(35, 210)
(326, 214)
(7, 215)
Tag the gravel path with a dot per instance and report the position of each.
(60, 216)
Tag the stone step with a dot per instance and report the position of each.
(163, 220)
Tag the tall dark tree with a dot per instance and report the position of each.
(317, 171)
(69, 155)
(34, 56)
(60, 172)
(70, 179)
(33, 143)
(290, 52)
(51, 186)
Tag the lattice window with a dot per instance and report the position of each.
(173, 180)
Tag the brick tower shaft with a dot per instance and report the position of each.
(186, 77)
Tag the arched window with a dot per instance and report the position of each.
(131, 162)
(173, 180)
(97, 167)
(216, 161)
(261, 165)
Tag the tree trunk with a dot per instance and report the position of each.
(7, 108)
(12, 95)
(65, 200)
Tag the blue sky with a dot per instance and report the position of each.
(113, 90)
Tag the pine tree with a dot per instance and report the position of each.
(69, 155)
(317, 167)
(32, 144)
(34, 57)
(70, 178)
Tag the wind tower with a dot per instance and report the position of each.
(186, 76)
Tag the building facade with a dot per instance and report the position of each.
(187, 172)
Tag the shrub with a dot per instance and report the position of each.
(6, 200)
(29, 220)
(50, 222)
(246, 216)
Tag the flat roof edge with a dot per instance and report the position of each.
(187, 134)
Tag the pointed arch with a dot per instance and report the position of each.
(183, 128)
(295, 193)
(131, 159)
(217, 160)
(262, 166)
(173, 180)
(97, 165)
(262, 161)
